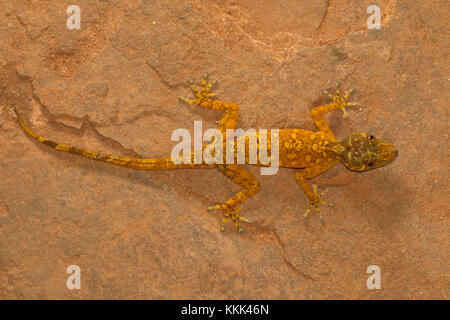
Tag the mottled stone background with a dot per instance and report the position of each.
(112, 87)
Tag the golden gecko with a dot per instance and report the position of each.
(312, 153)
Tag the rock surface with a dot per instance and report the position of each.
(112, 86)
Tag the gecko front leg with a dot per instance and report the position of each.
(339, 102)
(311, 193)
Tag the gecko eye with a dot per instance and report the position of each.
(370, 163)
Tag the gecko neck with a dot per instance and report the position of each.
(336, 149)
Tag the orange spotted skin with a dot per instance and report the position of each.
(312, 153)
(301, 149)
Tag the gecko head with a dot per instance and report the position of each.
(362, 152)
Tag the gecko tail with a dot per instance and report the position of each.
(135, 163)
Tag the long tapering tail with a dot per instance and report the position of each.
(135, 163)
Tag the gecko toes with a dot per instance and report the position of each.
(229, 213)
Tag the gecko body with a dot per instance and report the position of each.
(312, 153)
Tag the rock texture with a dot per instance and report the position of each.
(112, 86)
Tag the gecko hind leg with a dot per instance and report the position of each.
(204, 98)
(203, 93)
(229, 213)
(241, 176)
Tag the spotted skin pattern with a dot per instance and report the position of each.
(312, 153)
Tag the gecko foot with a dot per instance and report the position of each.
(314, 204)
(340, 98)
(204, 93)
(229, 212)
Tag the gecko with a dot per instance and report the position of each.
(311, 153)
